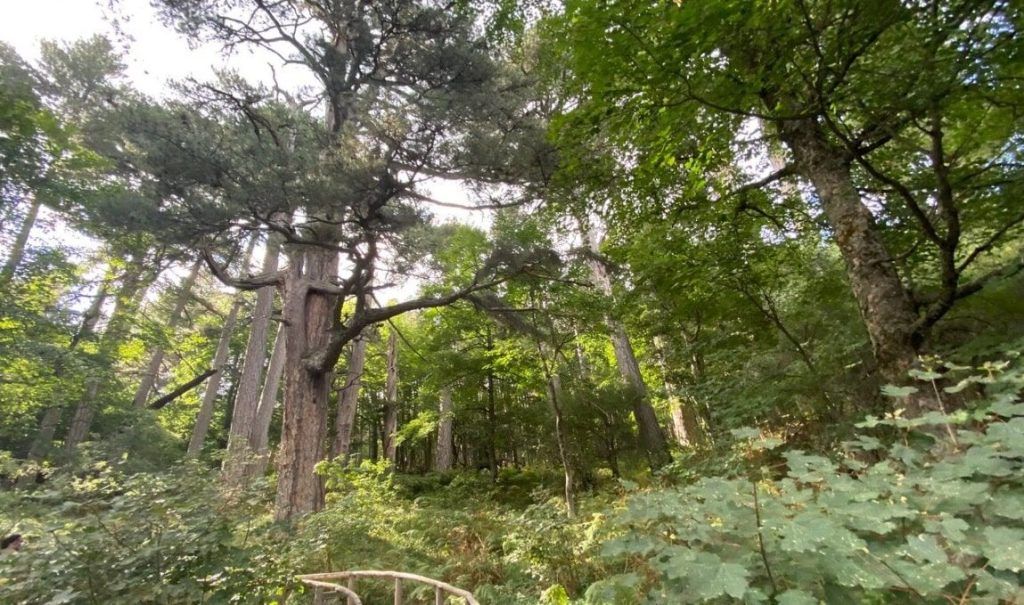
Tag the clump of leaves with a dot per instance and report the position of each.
(932, 517)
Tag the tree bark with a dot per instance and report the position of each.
(391, 398)
(177, 313)
(443, 452)
(268, 399)
(652, 438)
(554, 393)
(51, 418)
(885, 305)
(310, 316)
(243, 414)
(133, 286)
(349, 398)
(17, 253)
(220, 357)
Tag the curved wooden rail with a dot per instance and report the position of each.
(323, 581)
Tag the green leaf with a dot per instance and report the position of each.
(895, 391)
(1004, 548)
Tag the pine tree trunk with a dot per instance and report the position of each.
(310, 315)
(885, 305)
(177, 313)
(268, 400)
(652, 438)
(51, 418)
(391, 398)
(246, 402)
(17, 253)
(349, 398)
(443, 451)
(131, 292)
(220, 358)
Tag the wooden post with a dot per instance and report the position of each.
(398, 591)
(318, 596)
(438, 596)
(352, 587)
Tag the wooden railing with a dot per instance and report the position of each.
(325, 582)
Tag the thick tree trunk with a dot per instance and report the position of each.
(885, 306)
(243, 414)
(177, 313)
(310, 316)
(443, 451)
(220, 358)
(391, 398)
(268, 399)
(17, 252)
(652, 438)
(349, 398)
(685, 420)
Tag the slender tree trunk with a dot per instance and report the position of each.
(220, 358)
(885, 305)
(177, 313)
(349, 398)
(17, 252)
(443, 453)
(130, 294)
(554, 392)
(310, 315)
(243, 413)
(51, 418)
(268, 400)
(391, 398)
(652, 438)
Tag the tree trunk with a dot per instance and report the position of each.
(130, 294)
(686, 426)
(51, 418)
(243, 414)
(885, 306)
(349, 398)
(310, 315)
(220, 358)
(177, 313)
(443, 452)
(391, 398)
(554, 391)
(652, 438)
(20, 242)
(268, 399)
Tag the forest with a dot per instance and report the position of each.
(553, 302)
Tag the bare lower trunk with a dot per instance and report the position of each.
(686, 426)
(177, 313)
(51, 418)
(884, 303)
(310, 317)
(652, 438)
(554, 388)
(391, 399)
(81, 421)
(220, 358)
(443, 451)
(130, 294)
(349, 398)
(243, 414)
(17, 252)
(268, 399)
